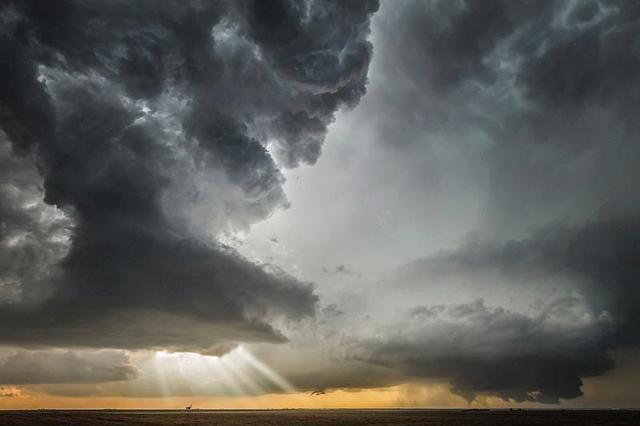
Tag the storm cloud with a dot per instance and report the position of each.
(590, 309)
(473, 219)
(537, 99)
(151, 127)
(63, 366)
(585, 278)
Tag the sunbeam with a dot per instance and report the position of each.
(237, 373)
(271, 375)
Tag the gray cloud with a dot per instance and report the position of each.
(340, 269)
(49, 367)
(536, 356)
(149, 124)
(426, 312)
(483, 350)
(597, 258)
(34, 236)
(524, 106)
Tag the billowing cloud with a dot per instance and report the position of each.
(34, 236)
(483, 350)
(151, 127)
(584, 281)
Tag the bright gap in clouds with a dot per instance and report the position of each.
(237, 373)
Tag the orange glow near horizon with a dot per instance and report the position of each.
(401, 396)
(411, 395)
(395, 396)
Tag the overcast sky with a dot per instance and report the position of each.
(433, 203)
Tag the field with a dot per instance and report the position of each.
(322, 417)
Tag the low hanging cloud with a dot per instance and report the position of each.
(484, 350)
(542, 353)
(149, 125)
(64, 366)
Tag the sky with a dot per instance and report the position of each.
(397, 204)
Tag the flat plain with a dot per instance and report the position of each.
(321, 417)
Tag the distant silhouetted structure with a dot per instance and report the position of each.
(188, 407)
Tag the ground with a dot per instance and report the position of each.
(322, 417)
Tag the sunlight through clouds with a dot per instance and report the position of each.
(237, 373)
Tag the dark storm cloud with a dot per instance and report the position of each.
(322, 48)
(33, 236)
(539, 357)
(571, 52)
(595, 58)
(445, 42)
(493, 351)
(39, 367)
(144, 120)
